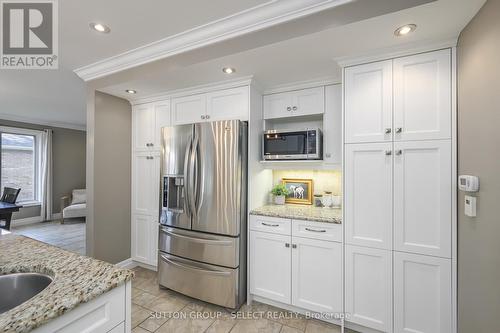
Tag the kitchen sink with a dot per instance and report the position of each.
(17, 288)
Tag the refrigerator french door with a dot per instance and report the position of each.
(202, 243)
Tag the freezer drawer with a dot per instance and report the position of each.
(212, 249)
(209, 283)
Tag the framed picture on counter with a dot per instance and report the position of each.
(299, 191)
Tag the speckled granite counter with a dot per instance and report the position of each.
(77, 279)
(301, 212)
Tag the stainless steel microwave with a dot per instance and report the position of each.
(292, 145)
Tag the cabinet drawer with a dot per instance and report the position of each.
(273, 225)
(317, 230)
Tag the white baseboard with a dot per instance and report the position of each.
(129, 264)
(25, 221)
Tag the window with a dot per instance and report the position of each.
(20, 162)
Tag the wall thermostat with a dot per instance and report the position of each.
(468, 183)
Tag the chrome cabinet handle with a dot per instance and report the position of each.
(399, 130)
(294, 108)
(399, 152)
(287, 244)
(314, 230)
(388, 152)
(294, 246)
(270, 225)
(202, 117)
(388, 131)
(288, 108)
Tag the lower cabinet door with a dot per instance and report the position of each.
(422, 294)
(144, 239)
(368, 287)
(317, 275)
(270, 266)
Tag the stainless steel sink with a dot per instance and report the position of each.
(17, 288)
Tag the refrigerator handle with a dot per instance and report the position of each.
(187, 178)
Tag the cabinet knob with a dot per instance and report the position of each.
(399, 130)
(294, 108)
(399, 152)
(289, 108)
(388, 131)
(388, 152)
(287, 244)
(151, 145)
(328, 155)
(147, 144)
(294, 246)
(207, 116)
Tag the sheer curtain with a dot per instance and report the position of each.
(46, 174)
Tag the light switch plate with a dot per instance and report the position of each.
(470, 206)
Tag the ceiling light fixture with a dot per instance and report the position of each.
(405, 30)
(228, 70)
(131, 91)
(99, 27)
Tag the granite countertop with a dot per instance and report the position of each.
(76, 279)
(301, 212)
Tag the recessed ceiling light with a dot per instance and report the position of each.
(228, 70)
(405, 29)
(131, 91)
(99, 27)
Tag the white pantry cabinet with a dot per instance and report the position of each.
(422, 294)
(368, 102)
(218, 105)
(422, 96)
(422, 197)
(317, 275)
(368, 287)
(270, 266)
(295, 103)
(368, 194)
(144, 239)
(332, 125)
(143, 124)
(145, 182)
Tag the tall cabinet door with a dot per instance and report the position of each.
(270, 266)
(368, 194)
(368, 102)
(422, 197)
(228, 104)
(146, 183)
(368, 287)
(422, 294)
(422, 96)
(143, 126)
(317, 275)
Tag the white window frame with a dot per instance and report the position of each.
(38, 161)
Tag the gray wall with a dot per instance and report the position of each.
(68, 163)
(110, 222)
(479, 154)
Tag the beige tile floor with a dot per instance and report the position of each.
(179, 313)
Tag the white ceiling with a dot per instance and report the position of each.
(297, 59)
(271, 56)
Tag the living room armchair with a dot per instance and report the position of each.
(74, 205)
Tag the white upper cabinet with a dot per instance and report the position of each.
(143, 126)
(422, 197)
(332, 125)
(368, 287)
(368, 102)
(317, 275)
(162, 119)
(295, 103)
(368, 194)
(189, 109)
(422, 96)
(422, 294)
(270, 266)
(228, 104)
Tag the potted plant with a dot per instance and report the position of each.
(280, 192)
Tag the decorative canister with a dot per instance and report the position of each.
(318, 200)
(327, 199)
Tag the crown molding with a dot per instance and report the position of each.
(257, 18)
(199, 89)
(397, 51)
(324, 81)
(35, 121)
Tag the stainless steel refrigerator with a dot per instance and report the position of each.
(202, 243)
